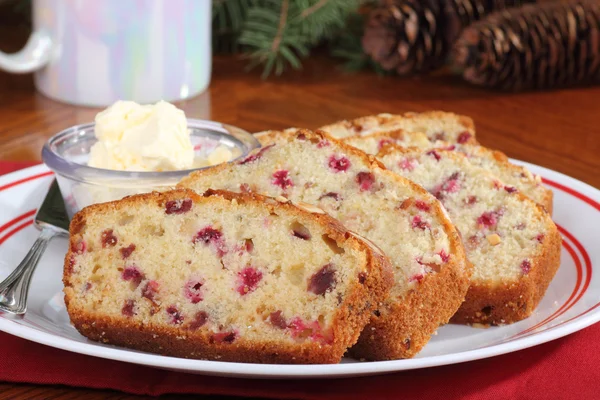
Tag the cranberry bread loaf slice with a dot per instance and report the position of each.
(511, 241)
(430, 268)
(223, 276)
(436, 125)
(495, 162)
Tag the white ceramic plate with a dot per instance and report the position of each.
(572, 301)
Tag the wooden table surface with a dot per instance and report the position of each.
(556, 129)
(559, 130)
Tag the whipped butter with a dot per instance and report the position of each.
(146, 138)
(134, 137)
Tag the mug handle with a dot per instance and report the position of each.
(32, 57)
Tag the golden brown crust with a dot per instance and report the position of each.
(392, 148)
(177, 342)
(351, 315)
(266, 137)
(465, 121)
(419, 314)
(401, 329)
(356, 126)
(77, 224)
(429, 305)
(496, 305)
(397, 134)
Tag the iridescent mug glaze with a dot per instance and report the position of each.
(94, 52)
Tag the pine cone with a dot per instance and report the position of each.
(404, 35)
(411, 36)
(534, 47)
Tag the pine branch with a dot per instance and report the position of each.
(282, 21)
(314, 8)
(278, 33)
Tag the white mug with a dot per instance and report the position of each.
(94, 52)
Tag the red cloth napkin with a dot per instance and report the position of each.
(567, 368)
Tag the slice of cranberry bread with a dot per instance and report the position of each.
(511, 241)
(223, 276)
(437, 125)
(495, 162)
(410, 225)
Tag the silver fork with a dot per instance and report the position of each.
(52, 220)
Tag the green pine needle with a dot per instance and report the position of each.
(228, 20)
(278, 34)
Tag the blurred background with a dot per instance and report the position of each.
(512, 65)
(508, 45)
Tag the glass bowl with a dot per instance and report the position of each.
(67, 154)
